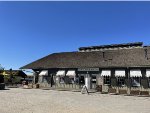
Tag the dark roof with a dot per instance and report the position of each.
(111, 58)
(113, 46)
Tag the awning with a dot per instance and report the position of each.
(147, 72)
(71, 73)
(60, 73)
(44, 72)
(106, 73)
(120, 73)
(135, 73)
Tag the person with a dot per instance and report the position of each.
(84, 88)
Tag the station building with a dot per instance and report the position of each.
(115, 68)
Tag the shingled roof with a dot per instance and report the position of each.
(135, 57)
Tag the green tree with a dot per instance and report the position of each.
(1, 67)
(1, 74)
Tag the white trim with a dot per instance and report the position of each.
(120, 73)
(135, 73)
(61, 73)
(71, 73)
(147, 72)
(44, 72)
(106, 73)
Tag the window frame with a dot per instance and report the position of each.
(137, 79)
(107, 80)
(120, 81)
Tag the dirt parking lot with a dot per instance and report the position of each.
(17, 100)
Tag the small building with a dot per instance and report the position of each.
(120, 68)
(13, 76)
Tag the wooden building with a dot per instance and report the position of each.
(117, 68)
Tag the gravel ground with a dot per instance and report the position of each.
(17, 100)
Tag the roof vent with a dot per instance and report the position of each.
(147, 54)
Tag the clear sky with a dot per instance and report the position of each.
(31, 30)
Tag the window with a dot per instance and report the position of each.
(148, 81)
(106, 79)
(120, 81)
(40, 79)
(81, 80)
(47, 79)
(72, 81)
(62, 80)
(136, 81)
(76, 80)
(93, 79)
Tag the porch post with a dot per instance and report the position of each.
(129, 82)
(88, 81)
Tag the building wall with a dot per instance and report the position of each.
(106, 88)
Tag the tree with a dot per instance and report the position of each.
(11, 76)
(1, 74)
(1, 68)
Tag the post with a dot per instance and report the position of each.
(88, 81)
(129, 87)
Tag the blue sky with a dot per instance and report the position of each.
(31, 30)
